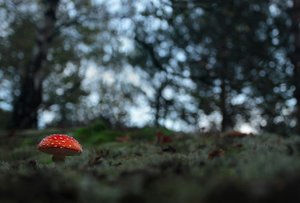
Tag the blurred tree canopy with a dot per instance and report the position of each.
(235, 52)
(44, 47)
(235, 61)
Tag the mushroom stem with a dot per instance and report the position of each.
(58, 158)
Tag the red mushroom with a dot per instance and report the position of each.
(162, 138)
(60, 146)
(234, 134)
(124, 138)
(216, 153)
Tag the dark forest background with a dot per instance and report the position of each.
(169, 100)
(180, 62)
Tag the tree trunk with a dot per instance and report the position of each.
(158, 105)
(225, 124)
(25, 114)
(226, 118)
(26, 105)
(295, 56)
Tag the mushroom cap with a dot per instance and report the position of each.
(59, 144)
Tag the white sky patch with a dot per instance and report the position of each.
(108, 77)
(246, 128)
(114, 5)
(134, 79)
(173, 124)
(126, 44)
(6, 106)
(180, 55)
(274, 10)
(140, 115)
(131, 76)
(4, 26)
(291, 102)
(69, 6)
(93, 75)
(239, 99)
(45, 117)
(168, 93)
(94, 98)
(206, 121)
(139, 6)
(91, 72)
(70, 69)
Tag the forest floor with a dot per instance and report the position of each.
(192, 169)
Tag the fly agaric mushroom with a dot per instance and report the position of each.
(60, 146)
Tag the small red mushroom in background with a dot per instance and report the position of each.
(162, 139)
(124, 138)
(60, 146)
(235, 134)
(238, 145)
(166, 139)
(216, 153)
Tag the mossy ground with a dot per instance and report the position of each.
(264, 168)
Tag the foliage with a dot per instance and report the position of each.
(100, 132)
(234, 53)
(95, 133)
